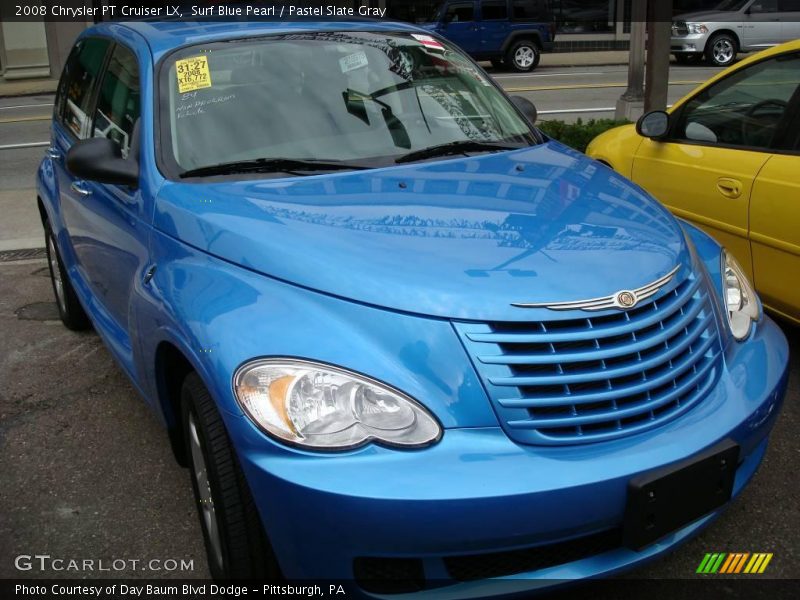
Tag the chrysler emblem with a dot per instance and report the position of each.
(623, 300)
(626, 299)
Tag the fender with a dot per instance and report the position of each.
(533, 34)
(222, 316)
(709, 251)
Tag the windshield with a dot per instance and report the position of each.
(361, 98)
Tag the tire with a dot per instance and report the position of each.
(687, 58)
(498, 64)
(236, 544)
(523, 56)
(69, 307)
(721, 50)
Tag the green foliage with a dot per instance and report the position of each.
(578, 135)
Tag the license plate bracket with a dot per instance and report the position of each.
(662, 501)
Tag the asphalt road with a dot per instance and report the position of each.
(86, 470)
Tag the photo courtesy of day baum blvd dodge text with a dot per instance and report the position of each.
(399, 298)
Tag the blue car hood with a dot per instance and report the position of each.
(461, 238)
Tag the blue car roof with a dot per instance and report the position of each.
(165, 35)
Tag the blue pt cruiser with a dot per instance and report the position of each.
(398, 336)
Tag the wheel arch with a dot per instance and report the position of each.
(525, 34)
(43, 216)
(171, 368)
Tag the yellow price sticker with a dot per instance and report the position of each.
(193, 74)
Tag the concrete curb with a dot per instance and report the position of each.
(27, 87)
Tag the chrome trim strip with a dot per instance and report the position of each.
(607, 302)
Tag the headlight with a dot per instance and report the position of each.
(697, 28)
(324, 407)
(740, 299)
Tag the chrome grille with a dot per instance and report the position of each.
(590, 377)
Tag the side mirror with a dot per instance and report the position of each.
(654, 125)
(100, 159)
(526, 107)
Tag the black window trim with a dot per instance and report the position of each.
(95, 89)
(102, 78)
(789, 121)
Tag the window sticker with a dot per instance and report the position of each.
(428, 41)
(193, 74)
(351, 62)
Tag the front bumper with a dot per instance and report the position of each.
(694, 43)
(477, 492)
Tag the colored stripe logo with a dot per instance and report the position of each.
(734, 563)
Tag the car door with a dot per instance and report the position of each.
(762, 26)
(719, 141)
(460, 27)
(775, 225)
(790, 19)
(71, 122)
(113, 216)
(493, 25)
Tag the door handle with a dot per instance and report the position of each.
(730, 188)
(52, 152)
(77, 187)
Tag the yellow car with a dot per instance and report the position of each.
(727, 158)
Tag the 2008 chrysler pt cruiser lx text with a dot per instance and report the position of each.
(397, 335)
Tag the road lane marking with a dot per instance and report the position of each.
(586, 86)
(551, 75)
(29, 145)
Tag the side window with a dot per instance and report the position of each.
(77, 84)
(494, 10)
(789, 5)
(459, 12)
(118, 102)
(764, 6)
(744, 109)
(529, 10)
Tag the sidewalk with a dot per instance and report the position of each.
(584, 59)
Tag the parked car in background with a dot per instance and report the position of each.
(727, 157)
(734, 26)
(509, 33)
(398, 336)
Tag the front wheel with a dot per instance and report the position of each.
(721, 50)
(523, 56)
(69, 307)
(236, 544)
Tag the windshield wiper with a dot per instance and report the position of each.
(271, 165)
(458, 147)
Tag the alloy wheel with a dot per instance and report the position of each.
(723, 51)
(55, 273)
(205, 499)
(524, 56)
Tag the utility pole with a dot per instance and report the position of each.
(651, 22)
(631, 104)
(659, 31)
